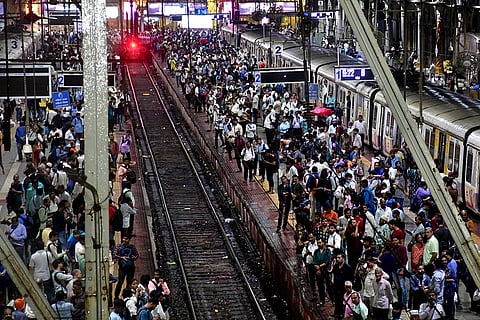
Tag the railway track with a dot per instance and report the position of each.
(215, 285)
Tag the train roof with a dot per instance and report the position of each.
(442, 108)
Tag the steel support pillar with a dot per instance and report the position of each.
(414, 139)
(96, 158)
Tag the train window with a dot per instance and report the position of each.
(469, 166)
(389, 125)
(453, 156)
(375, 116)
(429, 141)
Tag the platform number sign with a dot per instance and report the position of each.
(258, 77)
(278, 49)
(354, 73)
(61, 80)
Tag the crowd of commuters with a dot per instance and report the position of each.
(349, 219)
(45, 222)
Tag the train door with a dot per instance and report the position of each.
(477, 182)
(397, 135)
(367, 105)
(453, 160)
(442, 141)
(430, 140)
(349, 107)
(377, 124)
(471, 182)
(388, 131)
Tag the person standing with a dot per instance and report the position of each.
(40, 267)
(17, 234)
(20, 139)
(309, 248)
(121, 108)
(126, 254)
(285, 200)
(78, 301)
(361, 125)
(360, 310)
(400, 252)
(63, 309)
(321, 261)
(118, 310)
(125, 145)
(238, 146)
(419, 283)
(248, 159)
(271, 166)
(15, 193)
(113, 150)
(146, 311)
(431, 310)
(79, 128)
(383, 296)
(431, 251)
(128, 210)
(341, 272)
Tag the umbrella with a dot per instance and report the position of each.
(322, 111)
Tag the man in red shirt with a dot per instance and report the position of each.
(396, 231)
(111, 218)
(401, 259)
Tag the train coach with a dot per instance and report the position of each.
(451, 122)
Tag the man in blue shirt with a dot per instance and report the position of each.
(17, 233)
(146, 311)
(20, 137)
(367, 194)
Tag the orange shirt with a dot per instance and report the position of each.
(331, 216)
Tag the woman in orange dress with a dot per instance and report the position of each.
(417, 252)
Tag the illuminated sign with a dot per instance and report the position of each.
(353, 73)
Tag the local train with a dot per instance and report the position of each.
(451, 122)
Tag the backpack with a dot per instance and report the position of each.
(131, 176)
(123, 196)
(117, 223)
(29, 224)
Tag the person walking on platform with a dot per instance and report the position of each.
(285, 200)
(126, 254)
(248, 159)
(341, 272)
(238, 146)
(383, 296)
(261, 148)
(271, 166)
(321, 261)
(20, 139)
(269, 124)
(17, 234)
(125, 145)
(310, 247)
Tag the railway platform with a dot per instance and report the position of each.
(259, 211)
(141, 237)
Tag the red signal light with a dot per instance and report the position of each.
(133, 45)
